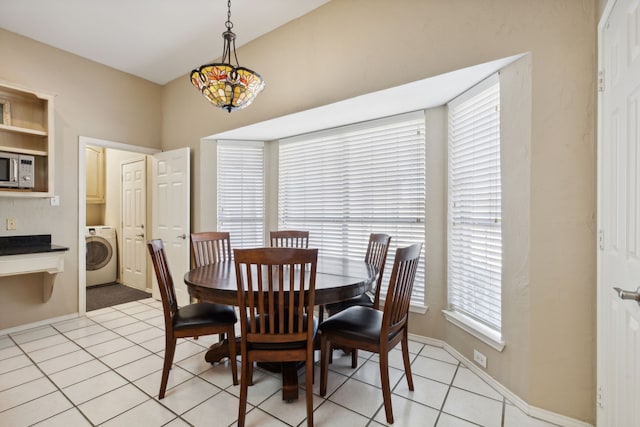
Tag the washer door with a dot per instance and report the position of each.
(99, 253)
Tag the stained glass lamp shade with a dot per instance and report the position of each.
(223, 84)
(226, 86)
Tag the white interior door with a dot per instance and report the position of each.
(134, 215)
(171, 214)
(619, 217)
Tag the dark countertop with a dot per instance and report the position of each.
(20, 245)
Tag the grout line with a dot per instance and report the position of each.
(347, 377)
(446, 395)
(59, 390)
(128, 381)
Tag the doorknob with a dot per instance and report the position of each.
(182, 236)
(140, 235)
(628, 294)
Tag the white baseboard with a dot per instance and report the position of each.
(38, 324)
(532, 411)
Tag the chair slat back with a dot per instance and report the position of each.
(377, 256)
(165, 280)
(210, 247)
(289, 239)
(275, 301)
(398, 299)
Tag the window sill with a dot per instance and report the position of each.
(478, 330)
(419, 309)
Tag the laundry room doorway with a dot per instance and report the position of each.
(100, 202)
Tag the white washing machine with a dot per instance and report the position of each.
(102, 255)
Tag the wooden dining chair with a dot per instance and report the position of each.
(289, 239)
(376, 256)
(210, 246)
(192, 320)
(280, 290)
(375, 330)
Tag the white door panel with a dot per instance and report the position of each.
(171, 214)
(619, 218)
(134, 214)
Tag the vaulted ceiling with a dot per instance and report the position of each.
(158, 40)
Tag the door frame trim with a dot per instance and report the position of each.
(600, 368)
(83, 141)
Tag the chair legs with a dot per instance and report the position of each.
(405, 358)
(384, 375)
(386, 386)
(309, 384)
(325, 349)
(169, 351)
(231, 336)
(245, 379)
(250, 375)
(354, 356)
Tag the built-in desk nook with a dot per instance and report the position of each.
(32, 254)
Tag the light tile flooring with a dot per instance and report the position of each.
(104, 370)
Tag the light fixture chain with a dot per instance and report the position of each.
(229, 24)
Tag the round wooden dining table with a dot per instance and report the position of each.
(337, 280)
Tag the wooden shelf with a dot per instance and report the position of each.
(17, 129)
(28, 129)
(9, 149)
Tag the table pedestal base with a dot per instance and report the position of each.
(218, 351)
(290, 381)
(289, 370)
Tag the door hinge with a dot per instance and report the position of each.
(600, 398)
(601, 81)
(601, 239)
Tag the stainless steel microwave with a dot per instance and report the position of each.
(16, 170)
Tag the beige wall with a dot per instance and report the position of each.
(352, 47)
(91, 100)
(601, 4)
(94, 214)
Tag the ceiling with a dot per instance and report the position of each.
(158, 40)
(161, 40)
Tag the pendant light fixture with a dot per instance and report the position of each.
(228, 86)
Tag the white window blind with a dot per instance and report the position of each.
(345, 183)
(475, 213)
(241, 192)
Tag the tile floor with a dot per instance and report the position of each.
(104, 370)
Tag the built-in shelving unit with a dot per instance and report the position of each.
(95, 174)
(26, 127)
